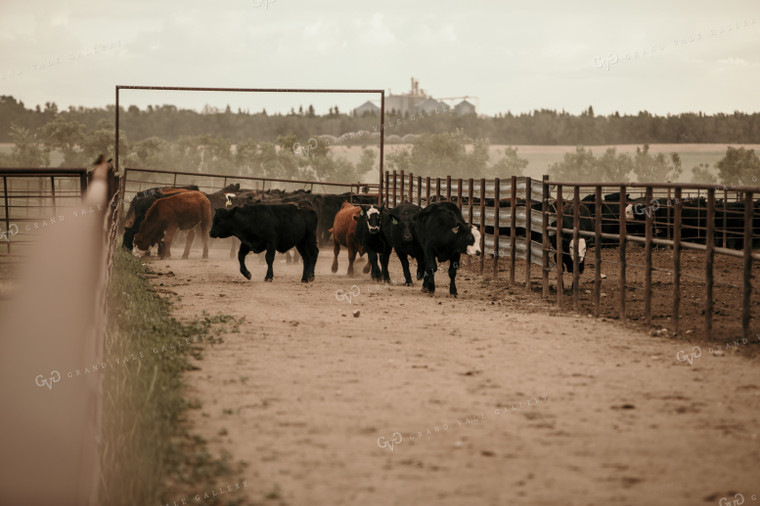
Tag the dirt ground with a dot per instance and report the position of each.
(345, 391)
(727, 291)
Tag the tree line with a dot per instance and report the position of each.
(65, 141)
(538, 127)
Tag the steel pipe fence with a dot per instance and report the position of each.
(518, 218)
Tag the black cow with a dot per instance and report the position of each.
(139, 206)
(370, 236)
(270, 228)
(443, 234)
(398, 227)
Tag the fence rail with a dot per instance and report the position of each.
(671, 215)
(214, 182)
(32, 199)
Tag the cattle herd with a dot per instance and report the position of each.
(275, 221)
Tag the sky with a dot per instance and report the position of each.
(663, 57)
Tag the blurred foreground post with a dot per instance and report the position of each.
(51, 352)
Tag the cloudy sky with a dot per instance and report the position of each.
(681, 56)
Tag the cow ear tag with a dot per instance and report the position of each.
(394, 221)
(455, 229)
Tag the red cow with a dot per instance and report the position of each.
(183, 211)
(344, 234)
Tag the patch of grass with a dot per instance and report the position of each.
(148, 455)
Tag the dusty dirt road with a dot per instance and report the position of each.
(482, 400)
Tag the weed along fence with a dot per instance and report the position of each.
(653, 250)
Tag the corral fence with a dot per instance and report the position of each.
(32, 200)
(519, 216)
(139, 179)
(54, 321)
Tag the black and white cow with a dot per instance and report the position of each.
(585, 223)
(444, 235)
(371, 238)
(398, 228)
(270, 228)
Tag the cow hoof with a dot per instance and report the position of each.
(247, 275)
(184, 257)
(268, 280)
(408, 283)
(453, 295)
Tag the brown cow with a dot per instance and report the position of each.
(344, 234)
(139, 207)
(184, 211)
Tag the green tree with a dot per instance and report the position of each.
(102, 141)
(703, 174)
(656, 168)
(27, 151)
(739, 167)
(613, 166)
(399, 160)
(510, 165)
(66, 137)
(446, 153)
(578, 166)
(366, 163)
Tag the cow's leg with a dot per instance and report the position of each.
(420, 267)
(368, 267)
(166, 242)
(309, 252)
(453, 266)
(204, 233)
(372, 261)
(405, 266)
(189, 242)
(384, 259)
(336, 252)
(270, 260)
(351, 258)
(428, 284)
(233, 246)
(314, 249)
(242, 252)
